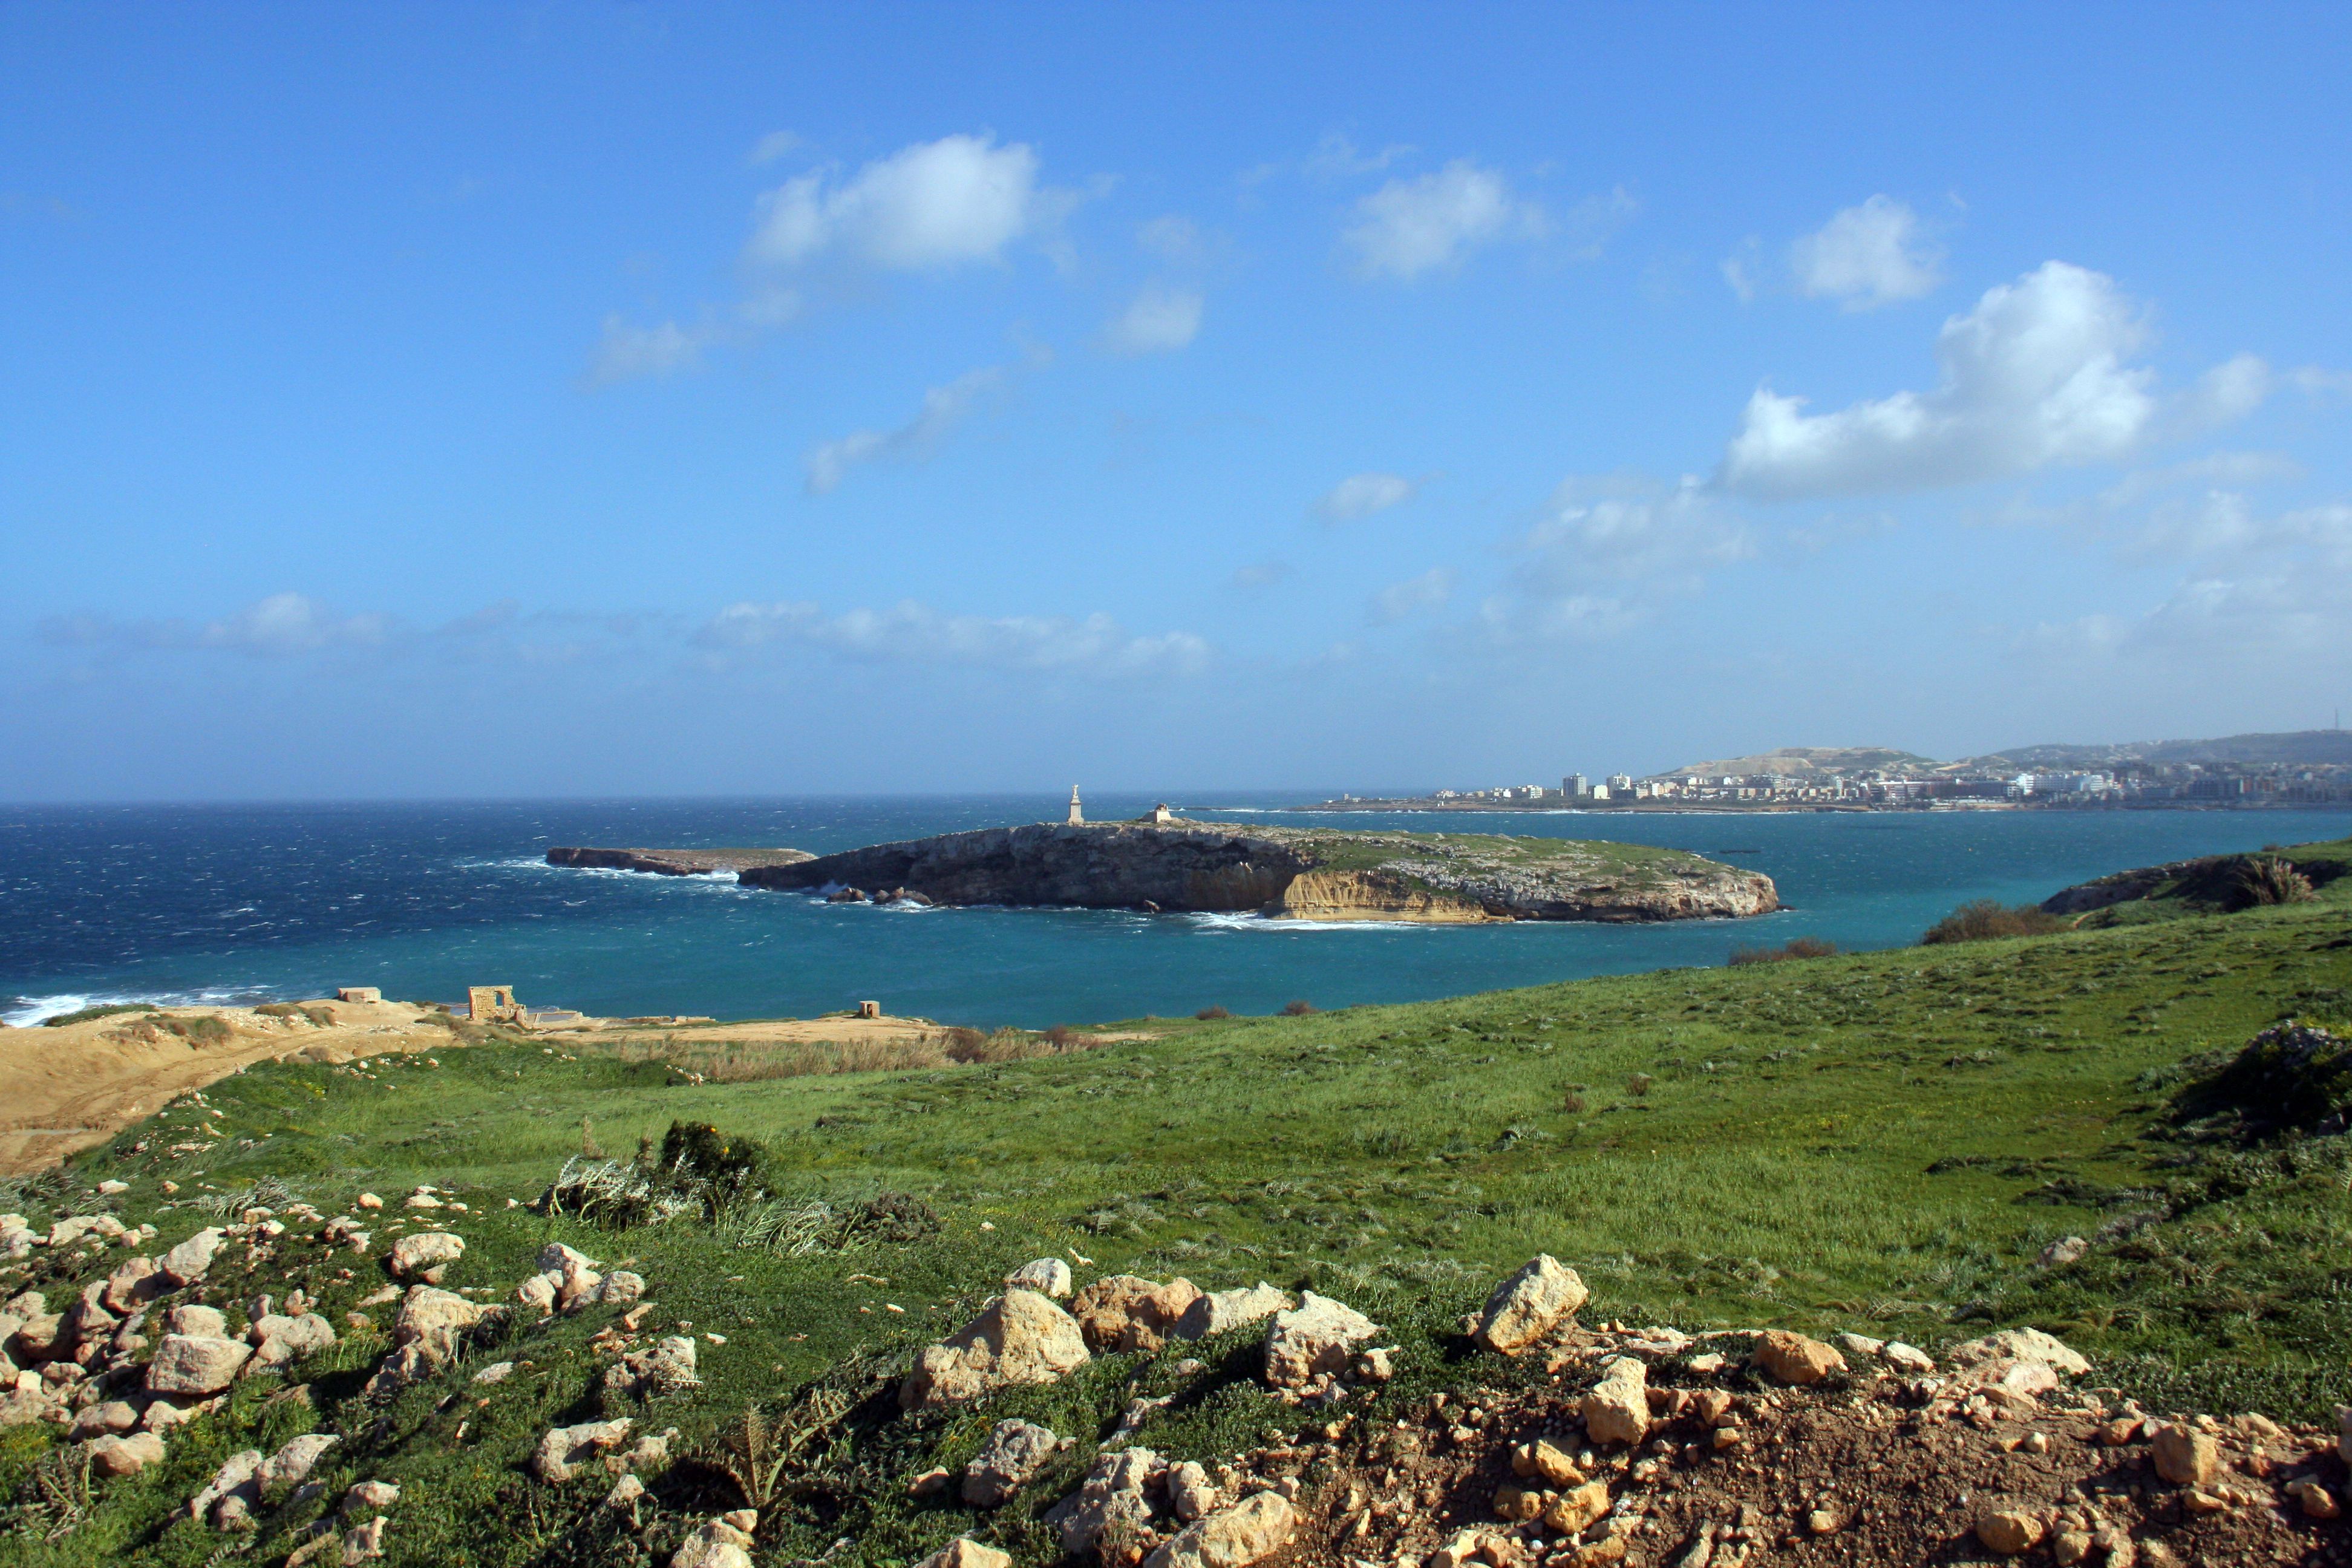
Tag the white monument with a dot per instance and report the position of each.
(1078, 817)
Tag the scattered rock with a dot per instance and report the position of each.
(2065, 1250)
(1235, 1537)
(414, 1254)
(2184, 1456)
(1015, 1450)
(497, 1371)
(1111, 1500)
(126, 1455)
(207, 1322)
(1617, 1410)
(1046, 1276)
(112, 1415)
(2317, 1500)
(2009, 1530)
(135, 1284)
(723, 1542)
(195, 1363)
(668, 1368)
(1020, 1338)
(292, 1465)
(966, 1553)
(364, 1542)
(279, 1341)
(2020, 1344)
(1127, 1312)
(235, 1475)
(565, 1448)
(188, 1262)
(368, 1201)
(1793, 1358)
(1222, 1309)
(1530, 1305)
(1313, 1342)
(1190, 1491)
(1908, 1358)
(367, 1495)
(621, 1288)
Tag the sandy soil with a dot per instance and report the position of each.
(780, 1032)
(66, 1088)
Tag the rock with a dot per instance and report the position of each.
(1127, 1312)
(363, 1542)
(2065, 1250)
(2010, 1532)
(292, 1465)
(279, 1341)
(564, 1448)
(235, 1475)
(1221, 1309)
(1617, 1410)
(2069, 1547)
(625, 1493)
(1529, 1305)
(414, 1254)
(2317, 1500)
(1908, 1358)
(1235, 1537)
(207, 1322)
(21, 1406)
(195, 1363)
(1190, 1493)
(621, 1288)
(112, 1415)
(497, 1371)
(554, 1257)
(1313, 1342)
(1861, 1345)
(367, 1201)
(125, 1454)
(1578, 1510)
(1015, 1450)
(719, 1543)
(187, 1263)
(111, 1187)
(164, 1413)
(427, 1312)
(1793, 1358)
(1111, 1500)
(576, 1287)
(1545, 1461)
(2184, 1456)
(1046, 1276)
(135, 1284)
(39, 1338)
(366, 1495)
(1020, 1338)
(2020, 1344)
(668, 1368)
(539, 1291)
(966, 1553)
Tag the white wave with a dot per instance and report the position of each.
(33, 1010)
(1240, 920)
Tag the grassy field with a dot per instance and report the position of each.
(1882, 1141)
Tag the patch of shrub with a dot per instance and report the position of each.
(279, 1010)
(2291, 1078)
(1796, 947)
(109, 1010)
(1212, 1013)
(1299, 1009)
(1639, 1084)
(699, 1151)
(2258, 881)
(1987, 920)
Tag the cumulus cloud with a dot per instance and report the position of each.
(1866, 256)
(774, 145)
(1361, 495)
(1434, 221)
(2037, 375)
(278, 626)
(625, 351)
(1426, 592)
(1610, 553)
(944, 408)
(935, 204)
(1175, 240)
(1159, 320)
(1095, 646)
(1739, 269)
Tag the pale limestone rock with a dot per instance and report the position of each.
(564, 1448)
(1015, 1450)
(538, 1291)
(621, 1288)
(194, 1363)
(1235, 1537)
(187, 1263)
(1908, 1358)
(1529, 1305)
(554, 1257)
(1794, 1358)
(2011, 1531)
(292, 1465)
(1190, 1491)
(2020, 1344)
(427, 1312)
(125, 1454)
(668, 1368)
(413, 1255)
(965, 1553)
(1313, 1342)
(1046, 1276)
(1127, 1312)
(236, 1474)
(1110, 1499)
(112, 1415)
(134, 1284)
(207, 1322)
(2184, 1456)
(1221, 1309)
(1617, 1410)
(1020, 1338)
(364, 1542)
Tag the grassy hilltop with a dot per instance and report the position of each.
(1883, 1142)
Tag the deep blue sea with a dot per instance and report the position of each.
(232, 903)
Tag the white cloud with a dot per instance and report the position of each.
(1095, 646)
(625, 351)
(1335, 158)
(774, 145)
(1361, 495)
(934, 204)
(1175, 240)
(2036, 376)
(1408, 228)
(1593, 221)
(1739, 269)
(2313, 380)
(1866, 256)
(276, 627)
(1260, 574)
(944, 408)
(1610, 553)
(1159, 320)
(1426, 592)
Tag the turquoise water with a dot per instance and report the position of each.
(246, 903)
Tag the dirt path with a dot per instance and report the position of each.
(65, 1089)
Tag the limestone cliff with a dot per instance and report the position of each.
(1300, 873)
(674, 862)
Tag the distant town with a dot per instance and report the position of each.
(2306, 768)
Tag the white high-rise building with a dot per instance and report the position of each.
(1576, 786)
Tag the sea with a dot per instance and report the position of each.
(189, 904)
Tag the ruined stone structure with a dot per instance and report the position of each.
(358, 994)
(492, 1005)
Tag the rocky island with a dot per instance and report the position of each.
(674, 862)
(1292, 873)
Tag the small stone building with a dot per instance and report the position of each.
(358, 994)
(492, 1005)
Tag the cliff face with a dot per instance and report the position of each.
(674, 862)
(1300, 873)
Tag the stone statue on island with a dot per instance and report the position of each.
(1078, 817)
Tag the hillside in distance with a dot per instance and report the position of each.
(2321, 748)
(1812, 762)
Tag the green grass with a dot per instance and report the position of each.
(1883, 1142)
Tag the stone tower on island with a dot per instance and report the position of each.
(1078, 817)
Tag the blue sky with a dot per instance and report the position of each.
(496, 400)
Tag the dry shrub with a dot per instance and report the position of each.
(1299, 1009)
(1211, 1013)
(2262, 880)
(1796, 947)
(1639, 1084)
(1986, 920)
(1572, 1103)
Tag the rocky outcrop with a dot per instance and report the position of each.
(1290, 872)
(674, 862)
